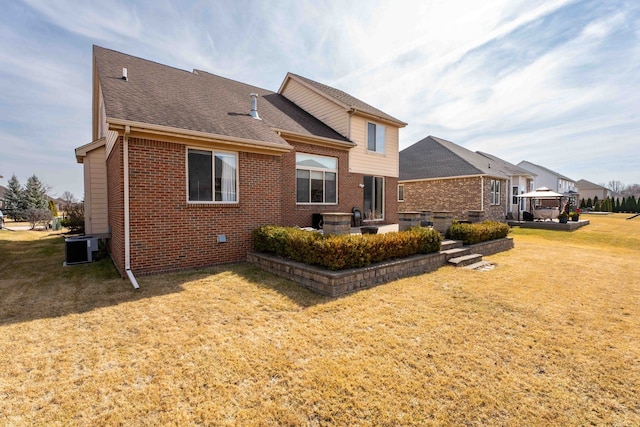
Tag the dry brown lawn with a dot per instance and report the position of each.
(551, 336)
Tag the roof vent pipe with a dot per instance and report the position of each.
(254, 106)
(124, 75)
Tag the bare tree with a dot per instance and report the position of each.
(68, 201)
(615, 186)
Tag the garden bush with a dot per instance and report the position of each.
(345, 251)
(471, 234)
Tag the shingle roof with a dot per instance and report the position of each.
(348, 100)
(198, 101)
(543, 168)
(508, 168)
(583, 184)
(434, 157)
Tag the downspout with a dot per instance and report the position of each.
(127, 236)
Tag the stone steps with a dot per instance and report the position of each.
(480, 265)
(455, 252)
(465, 260)
(450, 244)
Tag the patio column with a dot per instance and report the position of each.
(442, 220)
(476, 216)
(336, 222)
(409, 219)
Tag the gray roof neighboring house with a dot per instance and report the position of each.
(199, 101)
(434, 157)
(508, 168)
(583, 184)
(524, 163)
(347, 100)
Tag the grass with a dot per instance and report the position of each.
(551, 336)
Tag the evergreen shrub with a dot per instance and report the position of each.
(344, 251)
(471, 234)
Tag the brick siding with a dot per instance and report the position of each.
(457, 195)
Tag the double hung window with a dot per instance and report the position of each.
(212, 176)
(316, 179)
(495, 192)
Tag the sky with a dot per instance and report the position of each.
(556, 83)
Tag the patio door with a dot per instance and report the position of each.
(373, 197)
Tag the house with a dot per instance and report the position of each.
(589, 190)
(548, 178)
(554, 181)
(183, 166)
(520, 182)
(438, 175)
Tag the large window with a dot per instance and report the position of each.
(316, 179)
(375, 137)
(495, 192)
(212, 176)
(373, 197)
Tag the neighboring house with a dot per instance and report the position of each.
(548, 178)
(183, 166)
(589, 190)
(520, 182)
(438, 175)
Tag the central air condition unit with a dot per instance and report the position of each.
(80, 249)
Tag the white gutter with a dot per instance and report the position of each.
(127, 236)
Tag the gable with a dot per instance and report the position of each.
(197, 104)
(433, 158)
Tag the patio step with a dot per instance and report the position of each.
(464, 260)
(455, 252)
(450, 244)
(480, 265)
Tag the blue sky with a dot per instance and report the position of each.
(556, 83)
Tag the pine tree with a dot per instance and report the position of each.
(14, 205)
(583, 204)
(35, 194)
(589, 203)
(617, 207)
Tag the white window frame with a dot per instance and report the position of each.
(213, 177)
(324, 171)
(379, 137)
(400, 192)
(495, 192)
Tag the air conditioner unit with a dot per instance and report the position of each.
(80, 249)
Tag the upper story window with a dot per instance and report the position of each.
(212, 176)
(375, 137)
(316, 179)
(495, 192)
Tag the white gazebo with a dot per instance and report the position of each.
(542, 212)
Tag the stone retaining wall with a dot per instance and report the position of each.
(336, 283)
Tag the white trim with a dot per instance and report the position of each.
(213, 191)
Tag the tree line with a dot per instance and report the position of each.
(32, 204)
(612, 204)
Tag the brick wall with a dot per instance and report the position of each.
(458, 195)
(350, 193)
(167, 233)
(115, 197)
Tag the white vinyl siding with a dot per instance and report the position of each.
(365, 162)
(95, 197)
(317, 105)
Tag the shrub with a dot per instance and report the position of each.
(476, 233)
(345, 251)
(38, 217)
(75, 218)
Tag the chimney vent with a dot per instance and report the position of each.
(124, 75)
(254, 106)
